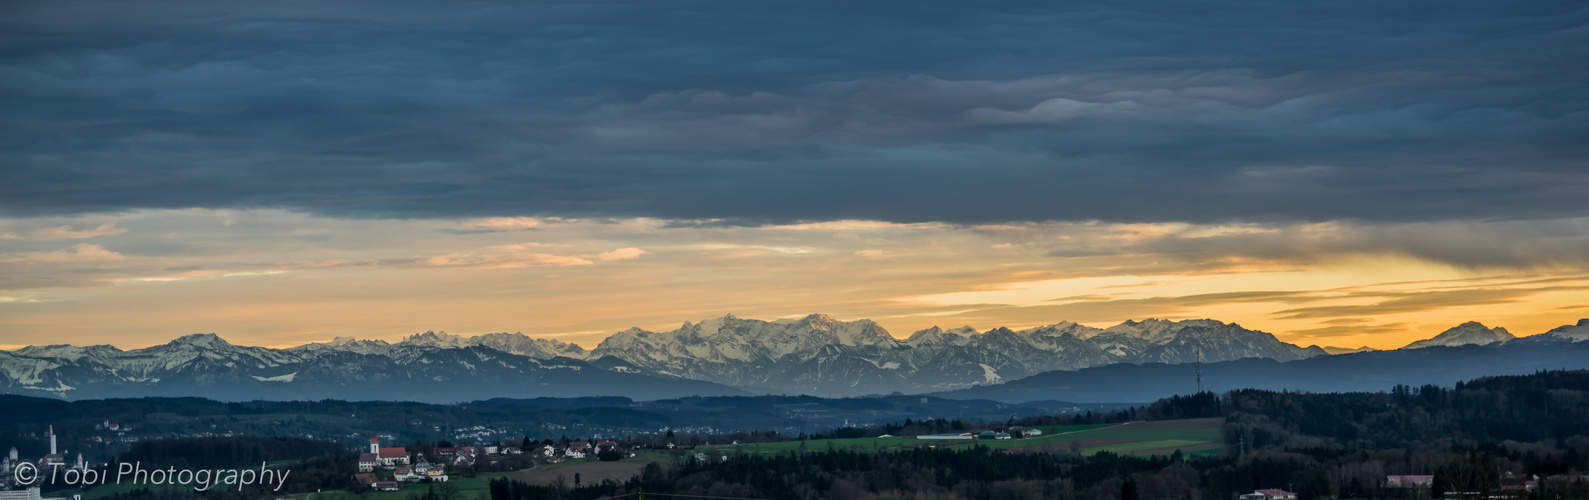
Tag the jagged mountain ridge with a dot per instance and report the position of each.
(512, 343)
(815, 355)
(822, 356)
(1570, 333)
(206, 365)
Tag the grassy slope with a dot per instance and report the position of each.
(1146, 440)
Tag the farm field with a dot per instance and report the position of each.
(469, 487)
(1199, 436)
(589, 472)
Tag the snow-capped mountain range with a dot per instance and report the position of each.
(823, 356)
(427, 367)
(512, 343)
(815, 355)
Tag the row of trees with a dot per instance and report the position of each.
(212, 452)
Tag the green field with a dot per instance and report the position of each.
(470, 487)
(1198, 435)
(1057, 429)
(1140, 436)
(1142, 439)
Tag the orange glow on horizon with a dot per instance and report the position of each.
(279, 279)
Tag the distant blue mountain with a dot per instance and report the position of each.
(1364, 371)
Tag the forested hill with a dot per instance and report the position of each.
(1549, 405)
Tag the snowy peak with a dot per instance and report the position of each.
(67, 352)
(1158, 331)
(1061, 329)
(785, 336)
(934, 337)
(434, 339)
(966, 335)
(856, 333)
(201, 340)
(1572, 333)
(1470, 333)
(964, 331)
(347, 344)
(511, 343)
(523, 345)
(708, 327)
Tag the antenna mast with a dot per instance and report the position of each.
(1199, 371)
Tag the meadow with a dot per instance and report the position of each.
(1191, 436)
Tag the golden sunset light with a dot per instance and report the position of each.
(278, 278)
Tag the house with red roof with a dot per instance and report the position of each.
(386, 457)
(391, 457)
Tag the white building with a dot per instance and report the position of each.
(27, 494)
(963, 436)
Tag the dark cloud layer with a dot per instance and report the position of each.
(777, 111)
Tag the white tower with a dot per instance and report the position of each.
(52, 440)
(13, 455)
(375, 445)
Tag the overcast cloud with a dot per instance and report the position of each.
(756, 112)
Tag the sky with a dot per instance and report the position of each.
(1336, 173)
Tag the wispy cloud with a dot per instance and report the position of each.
(66, 233)
(622, 254)
(1403, 303)
(81, 252)
(494, 224)
(1350, 327)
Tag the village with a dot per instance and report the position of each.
(388, 468)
